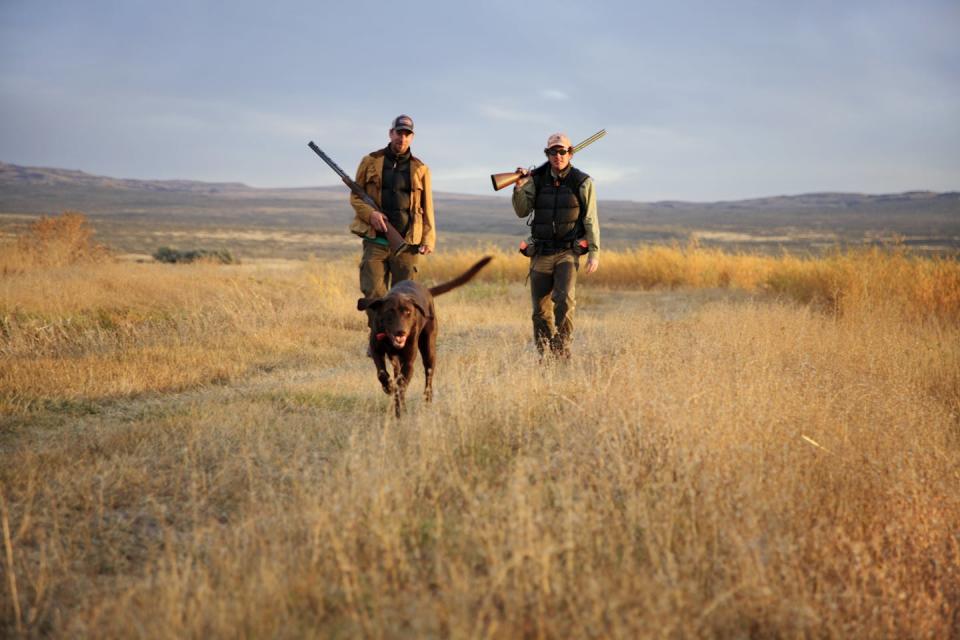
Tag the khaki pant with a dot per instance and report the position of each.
(553, 284)
(379, 270)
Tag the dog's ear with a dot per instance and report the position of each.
(369, 303)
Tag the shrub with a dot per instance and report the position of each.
(53, 242)
(174, 256)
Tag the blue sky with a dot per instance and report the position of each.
(701, 101)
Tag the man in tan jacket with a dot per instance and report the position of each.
(400, 185)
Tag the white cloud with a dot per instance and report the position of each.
(494, 112)
(554, 94)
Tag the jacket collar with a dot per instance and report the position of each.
(403, 157)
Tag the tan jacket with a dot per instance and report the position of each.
(370, 177)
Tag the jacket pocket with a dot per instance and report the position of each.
(416, 201)
(416, 229)
(361, 228)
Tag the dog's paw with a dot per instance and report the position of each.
(386, 382)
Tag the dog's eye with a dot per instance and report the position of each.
(406, 312)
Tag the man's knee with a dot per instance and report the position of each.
(563, 300)
(406, 272)
(374, 270)
(405, 266)
(372, 287)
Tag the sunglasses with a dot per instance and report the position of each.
(556, 152)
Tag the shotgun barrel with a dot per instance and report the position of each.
(502, 180)
(590, 140)
(396, 241)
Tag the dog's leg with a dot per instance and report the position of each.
(399, 388)
(428, 351)
(382, 374)
(428, 384)
(403, 379)
(399, 404)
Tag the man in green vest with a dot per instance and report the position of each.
(400, 185)
(564, 226)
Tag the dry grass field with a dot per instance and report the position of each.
(742, 446)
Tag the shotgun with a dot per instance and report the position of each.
(396, 241)
(501, 180)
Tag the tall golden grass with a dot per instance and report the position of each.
(195, 450)
(856, 280)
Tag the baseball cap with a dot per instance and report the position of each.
(404, 122)
(558, 140)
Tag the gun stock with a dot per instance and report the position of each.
(394, 239)
(503, 180)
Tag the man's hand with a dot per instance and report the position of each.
(592, 265)
(525, 177)
(424, 249)
(378, 221)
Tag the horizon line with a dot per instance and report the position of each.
(237, 183)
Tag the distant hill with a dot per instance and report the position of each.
(13, 176)
(922, 218)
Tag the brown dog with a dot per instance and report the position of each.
(403, 321)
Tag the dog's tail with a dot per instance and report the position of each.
(462, 279)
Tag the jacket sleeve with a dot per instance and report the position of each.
(362, 209)
(523, 199)
(591, 221)
(429, 226)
